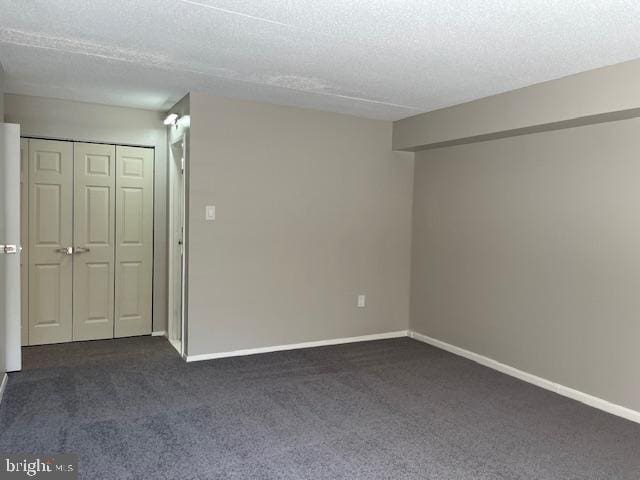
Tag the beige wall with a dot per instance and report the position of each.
(312, 209)
(597, 95)
(526, 250)
(69, 120)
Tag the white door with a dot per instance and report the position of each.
(90, 255)
(93, 238)
(50, 241)
(134, 241)
(10, 351)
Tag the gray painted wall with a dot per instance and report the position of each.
(312, 209)
(69, 120)
(525, 250)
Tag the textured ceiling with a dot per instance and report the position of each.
(386, 59)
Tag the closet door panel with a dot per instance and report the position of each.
(94, 241)
(50, 233)
(134, 241)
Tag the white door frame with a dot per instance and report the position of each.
(177, 187)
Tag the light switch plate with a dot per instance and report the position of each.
(210, 212)
(362, 301)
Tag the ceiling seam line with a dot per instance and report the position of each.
(183, 70)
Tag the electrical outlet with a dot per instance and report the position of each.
(362, 301)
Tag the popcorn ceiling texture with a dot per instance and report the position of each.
(379, 59)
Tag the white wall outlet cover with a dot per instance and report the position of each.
(210, 212)
(362, 300)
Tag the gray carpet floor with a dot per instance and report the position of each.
(391, 409)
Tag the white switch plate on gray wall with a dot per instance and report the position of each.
(210, 212)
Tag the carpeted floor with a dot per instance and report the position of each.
(391, 409)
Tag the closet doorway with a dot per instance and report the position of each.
(88, 265)
(177, 166)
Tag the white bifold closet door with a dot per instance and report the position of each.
(134, 241)
(94, 240)
(50, 238)
(90, 241)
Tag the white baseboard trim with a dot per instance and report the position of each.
(582, 397)
(295, 346)
(3, 385)
(161, 333)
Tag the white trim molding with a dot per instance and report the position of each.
(295, 346)
(582, 397)
(160, 333)
(177, 344)
(3, 385)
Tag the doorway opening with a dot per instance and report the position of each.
(177, 165)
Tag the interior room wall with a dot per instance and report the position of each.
(312, 209)
(69, 120)
(525, 250)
